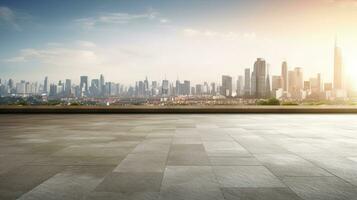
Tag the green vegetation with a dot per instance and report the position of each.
(75, 104)
(269, 102)
(290, 103)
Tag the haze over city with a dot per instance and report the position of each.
(178, 99)
(195, 40)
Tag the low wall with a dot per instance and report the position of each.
(176, 110)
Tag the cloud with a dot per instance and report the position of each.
(189, 32)
(85, 44)
(118, 18)
(164, 21)
(8, 17)
(56, 56)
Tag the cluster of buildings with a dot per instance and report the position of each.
(255, 84)
(289, 85)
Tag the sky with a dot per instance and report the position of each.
(198, 40)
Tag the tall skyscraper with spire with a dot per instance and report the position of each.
(101, 85)
(338, 76)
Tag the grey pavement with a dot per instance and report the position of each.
(179, 156)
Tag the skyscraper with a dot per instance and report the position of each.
(291, 81)
(146, 87)
(53, 90)
(267, 89)
(240, 86)
(276, 83)
(165, 88)
(45, 85)
(177, 88)
(101, 85)
(94, 87)
(299, 80)
(199, 89)
(284, 76)
(247, 82)
(295, 82)
(226, 86)
(186, 87)
(213, 88)
(154, 88)
(338, 79)
(260, 78)
(84, 85)
(68, 87)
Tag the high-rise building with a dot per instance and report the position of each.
(177, 88)
(83, 85)
(267, 89)
(247, 82)
(338, 78)
(277, 83)
(213, 88)
(328, 87)
(94, 87)
(307, 85)
(101, 85)
(186, 87)
(10, 84)
(240, 86)
(205, 89)
(21, 88)
(295, 83)
(299, 81)
(199, 89)
(226, 89)
(141, 89)
(260, 79)
(45, 85)
(165, 88)
(146, 87)
(53, 90)
(193, 90)
(68, 87)
(284, 76)
(60, 88)
(291, 81)
(316, 86)
(154, 88)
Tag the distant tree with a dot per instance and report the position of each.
(269, 102)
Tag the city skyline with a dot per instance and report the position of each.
(257, 83)
(127, 40)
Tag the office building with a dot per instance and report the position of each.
(68, 87)
(240, 86)
(247, 82)
(84, 85)
(259, 79)
(284, 76)
(226, 89)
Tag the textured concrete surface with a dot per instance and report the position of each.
(159, 157)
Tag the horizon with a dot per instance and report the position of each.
(198, 41)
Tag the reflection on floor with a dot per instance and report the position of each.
(173, 157)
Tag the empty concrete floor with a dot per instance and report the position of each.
(255, 157)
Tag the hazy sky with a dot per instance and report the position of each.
(197, 40)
